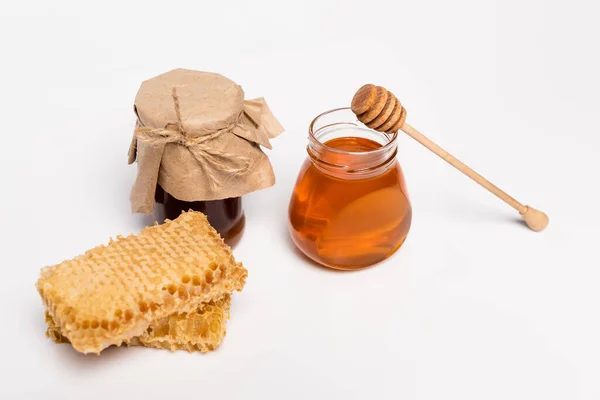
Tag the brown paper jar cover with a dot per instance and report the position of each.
(199, 139)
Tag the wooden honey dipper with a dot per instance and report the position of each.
(380, 110)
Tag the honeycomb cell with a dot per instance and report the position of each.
(208, 276)
(204, 329)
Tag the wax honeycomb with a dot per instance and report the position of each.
(201, 330)
(114, 293)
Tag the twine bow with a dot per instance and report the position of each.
(202, 152)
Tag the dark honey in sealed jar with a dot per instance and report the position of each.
(198, 145)
(349, 208)
(225, 215)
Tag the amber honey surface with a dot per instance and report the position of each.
(349, 223)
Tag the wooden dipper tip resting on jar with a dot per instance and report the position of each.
(380, 110)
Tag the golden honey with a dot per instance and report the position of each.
(350, 207)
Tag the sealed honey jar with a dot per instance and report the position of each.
(349, 208)
(198, 146)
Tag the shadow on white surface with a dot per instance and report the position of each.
(66, 357)
(473, 212)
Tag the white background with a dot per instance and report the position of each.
(474, 305)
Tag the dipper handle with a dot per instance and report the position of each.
(379, 109)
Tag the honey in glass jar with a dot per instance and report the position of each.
(350, 208)
(198, 145)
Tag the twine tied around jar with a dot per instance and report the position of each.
(202, 152)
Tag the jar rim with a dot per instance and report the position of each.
(383, 148)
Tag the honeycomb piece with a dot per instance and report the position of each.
(113, 293)
(200, 330)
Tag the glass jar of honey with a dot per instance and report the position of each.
(350, 208)
(198, 144)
